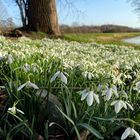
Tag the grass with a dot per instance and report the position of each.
(103, 38)
(86, 81)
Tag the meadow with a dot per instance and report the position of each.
(103, 38)
(58, 89)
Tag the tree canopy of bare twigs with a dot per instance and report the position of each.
(136, 5)
(3, 11)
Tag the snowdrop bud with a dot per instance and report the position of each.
(13, 110)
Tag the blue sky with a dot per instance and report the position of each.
(91, 12)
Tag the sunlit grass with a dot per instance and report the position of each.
(103, 38)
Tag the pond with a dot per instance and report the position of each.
(134, 40)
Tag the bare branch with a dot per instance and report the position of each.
(136, 5)
(3, 11)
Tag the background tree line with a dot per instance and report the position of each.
(96, 29)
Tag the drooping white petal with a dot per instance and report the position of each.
(2, 87)
(99, 88)
(63, 78)
(136, 134)
(124, 94)
(129, 106)
(123, 104)
(90, 98)
(114, 102)
(131, 133)
(118, 107)
(126, 133)
(108, 94)
(20, 111)
(137, 86)
(21, 86)
(54, 76)
(83, 91)
(10, 59)
(96, 97)
(30, 84)
(84, 95)
(114, 88)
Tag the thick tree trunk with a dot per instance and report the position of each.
(42, 16)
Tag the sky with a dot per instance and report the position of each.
(90, 12)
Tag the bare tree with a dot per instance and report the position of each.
(23, 8)
(136, 5)
(3, 11)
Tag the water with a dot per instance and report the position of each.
(134, 40)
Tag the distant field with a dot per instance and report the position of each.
(103, 38)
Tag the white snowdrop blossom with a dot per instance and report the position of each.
(34, 67)
(60, 75)
(137, 86)
(10, 59)
(88, 75)
(28, 84)
(14, 110)
(119, 104)
(90, 96)
(108, 92)
(130, 132)
(26, 67)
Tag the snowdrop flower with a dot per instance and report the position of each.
(90, 96)
(119, 104)
(88, 75)
(137, 87)
(26, 67)
(34, 67)
(14, 110)
(60, 75)
(109, 92)
(130, 132)
(10, 59)
(28, 84)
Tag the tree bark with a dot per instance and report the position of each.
(42, 16)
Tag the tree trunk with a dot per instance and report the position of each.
(42, 16)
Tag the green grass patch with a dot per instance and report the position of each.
(103, 38)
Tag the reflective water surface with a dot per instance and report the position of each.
(134, 40)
